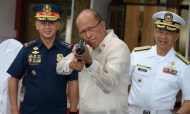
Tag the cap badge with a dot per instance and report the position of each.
(168, 17)
(47, 8)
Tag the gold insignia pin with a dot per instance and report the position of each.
(38, 59)
(172, 63)
(30, 57)
(35, 50)
(59, 57)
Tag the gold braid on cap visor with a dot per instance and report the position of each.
(167, 25)
(50, 16)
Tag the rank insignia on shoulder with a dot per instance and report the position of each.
(182, 58)
(142, 48)
(29, 43)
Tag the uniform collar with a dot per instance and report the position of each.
(40, 43)
(153, 53)
(55, 43)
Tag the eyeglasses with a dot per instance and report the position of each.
(89, 29)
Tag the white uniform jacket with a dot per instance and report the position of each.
(8, 51)
(103, 86)
(156, 80)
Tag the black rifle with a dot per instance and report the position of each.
(80, 47)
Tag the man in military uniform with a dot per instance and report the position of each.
(45, 90)
(157, 72)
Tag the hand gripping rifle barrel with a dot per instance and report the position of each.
(80, 47)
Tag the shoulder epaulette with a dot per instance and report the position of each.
(142, 48)
(69, 46)
(30, 43)
(182, 58)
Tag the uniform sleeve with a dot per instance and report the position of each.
(131, 68)
(62, 67)
(186, 84)
(117, 62)
(73, 75)
(17, 68)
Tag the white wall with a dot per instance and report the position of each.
(101, 6)
(7, 18)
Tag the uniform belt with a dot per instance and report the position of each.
(140, 110)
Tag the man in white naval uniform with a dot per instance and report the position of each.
(158, 72)
(9, 48)
(103, 81)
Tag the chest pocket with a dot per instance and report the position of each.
(142, 75)
(169, 81)
(168, 77)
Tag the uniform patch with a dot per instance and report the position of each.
(143, 68)
(142, 48)
(170, 69)
(182, 58)
(34, 58)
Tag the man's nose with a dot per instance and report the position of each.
(88, 33)
(164, 34)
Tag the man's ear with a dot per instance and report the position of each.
(36, 23)
(104, 24)
(177, 36)
(58, 25)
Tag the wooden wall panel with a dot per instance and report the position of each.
(19, 19)
(78, 8)
(148, 26)
(131, 26)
